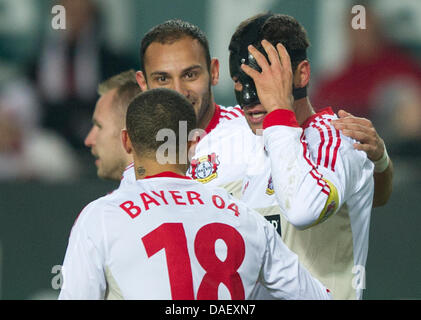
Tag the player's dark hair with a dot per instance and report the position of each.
(171, 31)
(157, 109)
(279, 28)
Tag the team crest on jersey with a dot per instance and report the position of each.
(205, 168)
(269, 189)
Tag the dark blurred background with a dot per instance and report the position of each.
(48, 81)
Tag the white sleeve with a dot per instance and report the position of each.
(82, 271)
(282, 274)
(305, 196)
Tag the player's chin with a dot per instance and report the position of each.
(101, 173)
(104, 175)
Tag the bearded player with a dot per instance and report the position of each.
(175, 55)
(188, 44)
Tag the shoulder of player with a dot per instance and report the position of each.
(230, 113)
(91, 213)
(326, 142)
(231, 122)
(319, 128)
(231, 116)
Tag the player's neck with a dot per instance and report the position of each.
(150, 167)
(303, 109)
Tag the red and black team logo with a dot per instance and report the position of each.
(204, 169)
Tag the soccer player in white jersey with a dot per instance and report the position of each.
(175, 54)
(167, 236)
(221, 126)
(313, 170)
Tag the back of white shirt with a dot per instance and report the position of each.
(169, 237)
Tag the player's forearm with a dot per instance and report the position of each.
(305, 197)
(383, 185)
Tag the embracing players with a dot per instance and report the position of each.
(175, 54)
(166, 236)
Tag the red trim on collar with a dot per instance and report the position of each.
(215, 119)
(327, 110)
(280, 117)
(168, 174)
(131, 165)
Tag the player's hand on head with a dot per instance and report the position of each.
(362, 130)
(274, 82)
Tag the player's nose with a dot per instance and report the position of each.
(90, 138)
(180, 87)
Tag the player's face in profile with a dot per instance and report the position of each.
(254, 114)
(104, 139)
(181, 66)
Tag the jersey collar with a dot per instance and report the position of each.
(168, 174)
(215, 119)
(327, 110)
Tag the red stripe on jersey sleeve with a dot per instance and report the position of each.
(314, 173)
(329, 144)
(280, 117)
(225, 117)
(238, 109)
(229, 112)
(322, 141)
(325, 111)
(305, 155)
(335, 151)
(322, 127)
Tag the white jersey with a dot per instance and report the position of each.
(170, 237)
(309, 174)
(221, 156)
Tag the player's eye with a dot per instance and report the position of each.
(191, 75)
(161, 79)
(96, 124)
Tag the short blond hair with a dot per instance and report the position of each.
(117, 81)
(126, 88)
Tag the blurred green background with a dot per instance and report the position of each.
(36, 216)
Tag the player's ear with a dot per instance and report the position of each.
(125, 139)
(302, 74)
(141, 80)
(214, 71)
